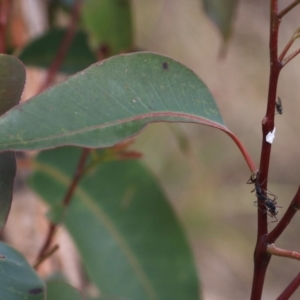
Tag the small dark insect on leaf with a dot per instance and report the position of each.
(279, 106)
(165, 66)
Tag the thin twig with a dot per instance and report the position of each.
(64, 47)
(47, 255)
(66, 202)
(286, 219)
(290, 57)
(273, 250)
(288, 8)
(286, 49)
(290, 289)
(77, 176)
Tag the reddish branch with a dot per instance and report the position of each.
(290, 289)
(5, 6)
(288, 8)
(44, 252)
(285, 220)
(273, 250)
(64, 47)
(262, 256)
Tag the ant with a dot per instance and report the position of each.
(278, 105)
(263, 197)
(270, 203)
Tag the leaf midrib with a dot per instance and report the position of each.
(108, 224)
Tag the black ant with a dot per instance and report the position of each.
(278, 105)
(263, 196)
(270, 204)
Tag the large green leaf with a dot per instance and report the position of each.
(18, 281)
(221, 13)
(108, 102)
(41, 52)
(62, 291)
(12, 81)
(109, 23)
(126, 232)
(7, 175)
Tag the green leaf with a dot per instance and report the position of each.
(126, 232)
(108, 102)
(109, 23)
(18, 281)
(62, 291)
(12, 81)
(221, 13)
(42, 51)
(7, 175)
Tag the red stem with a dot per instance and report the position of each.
(290, 57)
(285, 220)
(288, 8)
(290, 289)
(66, 202)
(244, 151)
(5, 6)
(64, 47)
(261, 257)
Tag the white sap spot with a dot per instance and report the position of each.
(82, 72)
(76, 112)
(133, 100)
(270, 136)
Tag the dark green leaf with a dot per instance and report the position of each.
(42, 51)
(18, 281)
(126, 232)
(109, 22)
(108, 102)
(221, 13)
(7, 175)
(62, 291)
(12, 81)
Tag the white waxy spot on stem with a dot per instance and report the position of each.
(270, 136)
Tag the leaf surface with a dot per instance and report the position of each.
(221, 13)
(18, 281)
(42, 51)
(126, 232)
(12, 81)
(7, 175)
(62, 291)
(109, 23)
(108, 102)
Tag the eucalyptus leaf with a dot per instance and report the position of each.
(41, 52)
(109, 102)
(7, 176)
(129, 238)
(222, 14)
(62, 291)
(12, 81)
(18, 281)
(109, 24)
